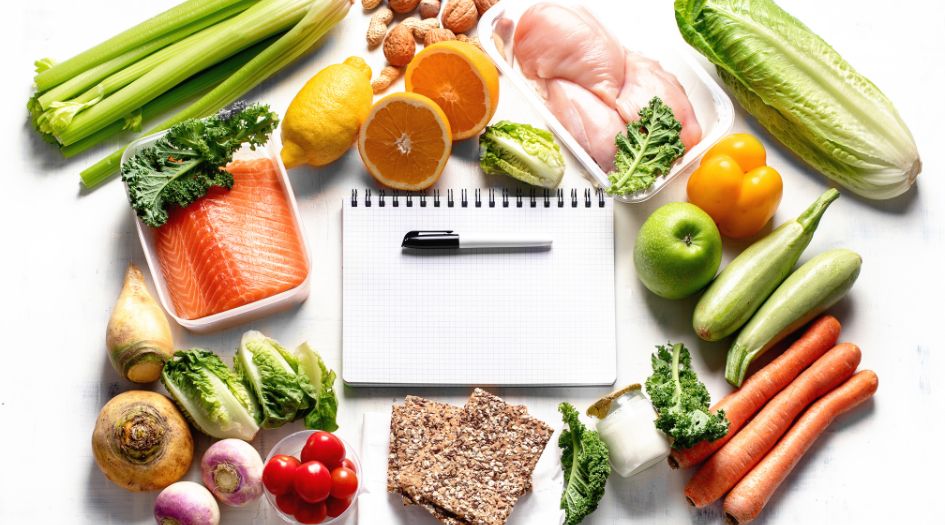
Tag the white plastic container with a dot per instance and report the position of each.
(247, 312)
(713, 108)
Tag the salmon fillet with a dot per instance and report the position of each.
(232, 247)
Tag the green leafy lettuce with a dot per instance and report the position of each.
(648, 150)
(524, 152)
(318, 382)
(270, 372)
(586, 463)
(681, 400)
(804, 93)
(189, 159)
(211, 395)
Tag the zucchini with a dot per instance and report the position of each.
(750, 278)
(814, 287)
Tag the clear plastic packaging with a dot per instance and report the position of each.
(713, 108)
(247, 312)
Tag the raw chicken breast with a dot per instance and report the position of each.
(590, 121)
(553, 41)
(645, 78)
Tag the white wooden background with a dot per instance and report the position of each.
(64, 252)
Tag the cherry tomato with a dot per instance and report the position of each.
(348, 463)
(279, 474)
(288, 503)
(311, 512)
(747, 151)
(344, 483)
(336, 506)
(325, 448)
(312, 482)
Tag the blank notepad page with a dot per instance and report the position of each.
(479, 317)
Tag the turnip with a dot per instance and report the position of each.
(232, 470)
(141, 441)
(186, 503)
(138, 337)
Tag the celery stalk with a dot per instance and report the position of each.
(260, 21)
(90, 77)
(318, 20)
(151, 29)
(188, 90)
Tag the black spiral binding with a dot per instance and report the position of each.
(505, 200)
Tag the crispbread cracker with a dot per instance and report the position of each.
(480, 474)
(418, 428)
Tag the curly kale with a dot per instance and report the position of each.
(681, 401)
(648, 150)
(189, 159)
(586, 464)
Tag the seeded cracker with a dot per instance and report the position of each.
(418, 428)
(480, 474)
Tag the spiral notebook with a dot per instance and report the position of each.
(504, 317)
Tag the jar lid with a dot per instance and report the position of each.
(601, 407)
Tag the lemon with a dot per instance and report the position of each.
(323, 120)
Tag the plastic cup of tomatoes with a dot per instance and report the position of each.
(311, 477)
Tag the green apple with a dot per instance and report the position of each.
(678, 250)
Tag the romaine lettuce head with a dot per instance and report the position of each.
(804, 93)
(211, 395)
(318, 382)
(527, 153)
(270, 372)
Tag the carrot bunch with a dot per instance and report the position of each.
(762, 445)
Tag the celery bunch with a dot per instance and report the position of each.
(209, 52)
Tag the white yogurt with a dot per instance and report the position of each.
(634, 441)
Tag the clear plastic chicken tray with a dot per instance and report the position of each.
(712, 106)
(247, 312)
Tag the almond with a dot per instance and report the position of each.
(429, 8)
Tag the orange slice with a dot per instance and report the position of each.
(405, 141)
(461, 79)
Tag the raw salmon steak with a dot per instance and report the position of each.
(232, 247)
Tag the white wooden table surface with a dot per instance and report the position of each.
(64, 253)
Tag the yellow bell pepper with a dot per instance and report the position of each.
(735, 186)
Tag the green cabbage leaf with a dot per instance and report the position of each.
(521, 151)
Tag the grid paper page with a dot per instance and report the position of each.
(479, 317)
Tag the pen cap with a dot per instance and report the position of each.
(431, 239)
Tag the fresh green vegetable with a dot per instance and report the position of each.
(586, 464)
(211, 395)
(183, 164)
(742, 287)
(804, 93)
(271, 373)
(189, 12)
(681, 400)
(301, 39)
(647, 151)
(814, 287)
(320, 384)
(524, 152)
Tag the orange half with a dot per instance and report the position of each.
(461, 79)
(405, 141)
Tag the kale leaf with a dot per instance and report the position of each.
(586, 463)
(648, 150)
(681, 400)
(189, 159)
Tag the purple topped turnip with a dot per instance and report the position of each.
(232, 470)
(186, 503)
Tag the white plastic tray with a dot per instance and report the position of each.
(247, 312)
(713, 108)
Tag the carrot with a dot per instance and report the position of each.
(727, 467)
(746, 501)
(741, 404)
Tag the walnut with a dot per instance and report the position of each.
(460, 16)
(483, 5)
(399, 46)
(402, 6)
(438, 35)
